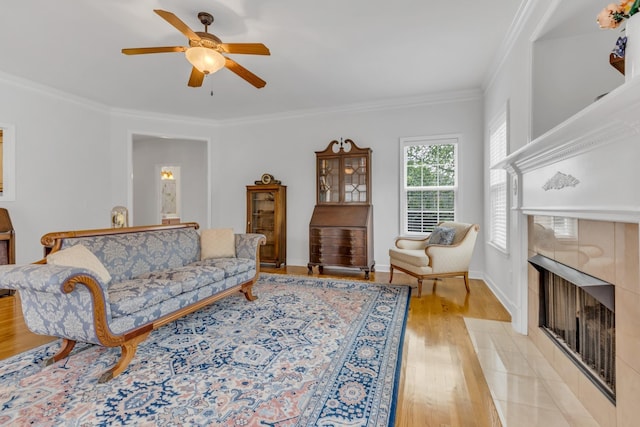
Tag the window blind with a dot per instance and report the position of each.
(498, 182)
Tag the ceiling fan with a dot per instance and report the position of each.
(205, 51)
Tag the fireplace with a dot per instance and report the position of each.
(577, 312)
(583, 172)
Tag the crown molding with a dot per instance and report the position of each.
(41, 89)
(523, 15)
(178, 119)
(379, 105)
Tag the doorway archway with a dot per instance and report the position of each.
(149, 155)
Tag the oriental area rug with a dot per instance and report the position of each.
(307, 352)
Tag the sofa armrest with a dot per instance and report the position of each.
(54, 304)
(41, 277)
(247, 245)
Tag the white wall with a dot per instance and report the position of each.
(241, 152)
(65, 183)
(566, 80)
(62, 178)
(286, 148)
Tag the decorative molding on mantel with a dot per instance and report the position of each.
(559, 181)
(612, 118)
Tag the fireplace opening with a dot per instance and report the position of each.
(577, 312)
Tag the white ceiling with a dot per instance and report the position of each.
(324, 54)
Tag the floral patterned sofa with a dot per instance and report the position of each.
(112, 287)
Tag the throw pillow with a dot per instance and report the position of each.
(442, 236)
(80, 257)
(217, 243)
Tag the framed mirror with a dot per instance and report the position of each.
(7, 162)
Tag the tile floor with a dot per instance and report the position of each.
(527, 391)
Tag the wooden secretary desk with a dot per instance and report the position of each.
(341, 227)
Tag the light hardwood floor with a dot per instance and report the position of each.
(441, 381)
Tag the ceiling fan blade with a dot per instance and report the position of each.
(177, 23)
(159, 49)
(246, 48)
(244, 73)
(196, 78)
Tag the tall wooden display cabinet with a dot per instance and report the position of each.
(267, 214)
(341, 227)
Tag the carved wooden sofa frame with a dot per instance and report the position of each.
(129, 339)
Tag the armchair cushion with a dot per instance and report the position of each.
(416, 257)
(442, 236)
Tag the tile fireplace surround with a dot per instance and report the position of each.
(586, 169)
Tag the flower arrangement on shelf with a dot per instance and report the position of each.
(612, 15)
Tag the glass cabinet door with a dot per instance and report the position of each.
(343, 173)
(329, 180)
(263, 217)
(355, 179)
(267, 215)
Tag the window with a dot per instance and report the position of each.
(429, 183)
(498, 182)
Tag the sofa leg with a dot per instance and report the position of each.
(65, 349)
(419, 288)
(466, 282)
(128, 350)
(390, 274)
(248, 292)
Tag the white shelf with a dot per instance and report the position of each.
(612, 118)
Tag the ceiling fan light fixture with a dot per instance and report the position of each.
(204, 59)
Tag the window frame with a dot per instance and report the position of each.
(500, 120)
(406, 142)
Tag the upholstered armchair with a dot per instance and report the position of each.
(444, 253)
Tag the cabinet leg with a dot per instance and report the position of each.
(366, 274)
(309, 269)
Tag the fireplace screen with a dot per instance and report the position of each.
(580, 320)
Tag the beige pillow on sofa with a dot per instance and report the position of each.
(80, 257)
(217, 243)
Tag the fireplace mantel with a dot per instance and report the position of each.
(586, 167)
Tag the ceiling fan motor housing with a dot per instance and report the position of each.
(206, 40)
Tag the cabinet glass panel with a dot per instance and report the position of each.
(355, 179)
(263, 205)
(329, 180)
